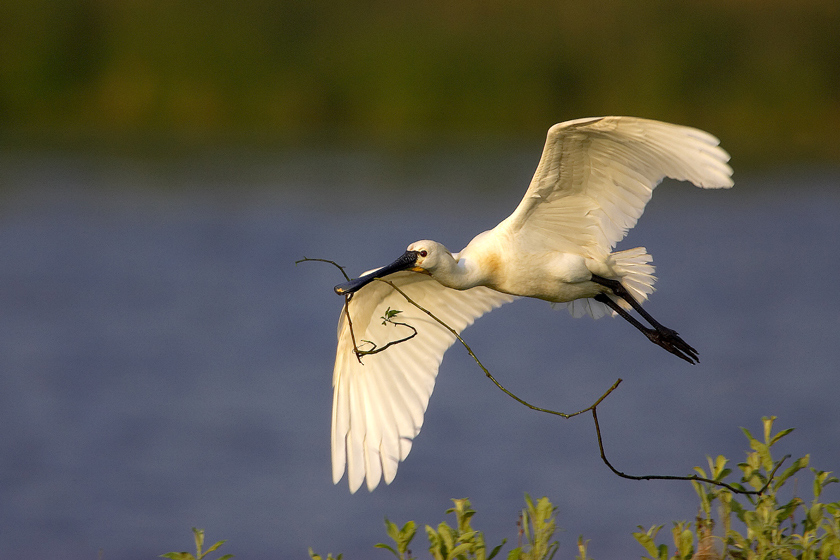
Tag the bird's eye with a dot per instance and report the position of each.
(423, 253)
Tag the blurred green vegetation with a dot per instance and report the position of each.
(763, 75)
(757, 519)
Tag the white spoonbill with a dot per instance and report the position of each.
(593, 181)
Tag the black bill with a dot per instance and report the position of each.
(406, 261)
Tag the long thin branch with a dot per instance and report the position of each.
(356, 350)
(347, 298)
(335, 264)
(487, 372)
(592, 407)
(693, 477)
(350, 326)
(376, 349)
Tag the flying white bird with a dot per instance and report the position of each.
(593, 181)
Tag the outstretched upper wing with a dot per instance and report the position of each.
(378, 404)
(596, 175)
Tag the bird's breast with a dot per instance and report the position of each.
(551, 276)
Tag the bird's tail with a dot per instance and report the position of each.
(634, 270)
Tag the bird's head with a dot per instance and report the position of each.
(431, 256)
(421, 256)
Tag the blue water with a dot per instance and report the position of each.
(164, 364)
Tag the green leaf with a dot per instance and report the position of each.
(764, 453)
(178, 556)
(545, 508)
(821, 480)
(581, 544)
(386, 547)
(312, 555)
(684, 539)
(198, 534)
(780, 435)
(447, 535)
(406, 534)
(389, 315)
(748, 434)
(496, 550)
(797, 466)
(408, 529)
(815, 513)
(392, 530)
(647, 540)
(436, 545)
(767, 421)
(460, 549)
(214, 547)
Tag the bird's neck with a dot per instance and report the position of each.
(458, 273)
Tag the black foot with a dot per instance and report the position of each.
(671, 341)
(659, 335)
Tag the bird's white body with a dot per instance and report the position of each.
(591, 185)
(497, 260)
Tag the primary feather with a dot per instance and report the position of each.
(378, 403)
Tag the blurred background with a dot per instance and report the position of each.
(164, 364)
(764, 76)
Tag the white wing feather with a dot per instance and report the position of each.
(596, 175)
(378, 405)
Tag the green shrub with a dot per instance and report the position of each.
(462, 542)
(198, 534)
(755, 521)
(757, 526)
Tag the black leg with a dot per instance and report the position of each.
(659, 334)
